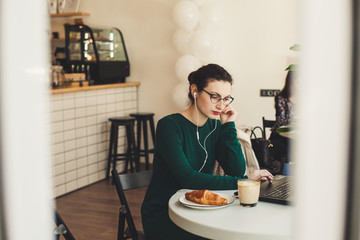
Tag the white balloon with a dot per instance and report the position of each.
(185, 65)
(210, 15)
(186, 15)
(179, 94)
(199, 2)
(181, 41)
(204, 44)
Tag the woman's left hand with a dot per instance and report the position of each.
(228, 114)
(261, 175)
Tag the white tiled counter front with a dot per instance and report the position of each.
(80, 133)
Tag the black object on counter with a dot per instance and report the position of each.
(102, 51)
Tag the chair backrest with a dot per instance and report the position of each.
(267, 124)
(126, 182)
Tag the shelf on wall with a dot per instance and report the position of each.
(100, 39)
(57, 39)
(70, 14)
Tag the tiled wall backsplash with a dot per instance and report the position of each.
(80, 134)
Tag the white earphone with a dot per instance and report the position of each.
(194, 94)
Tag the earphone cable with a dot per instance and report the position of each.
(205, 145)
(198, 138)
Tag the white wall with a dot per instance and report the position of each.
(255, 40)
(259, 34)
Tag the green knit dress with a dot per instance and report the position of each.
(178, 158)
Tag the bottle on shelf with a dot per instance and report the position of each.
(57, 76)
(54, 77)
(61, 76)
(88, 75)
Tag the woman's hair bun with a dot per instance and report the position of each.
(191, 77)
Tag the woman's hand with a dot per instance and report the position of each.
(261, 175)
(228, 114)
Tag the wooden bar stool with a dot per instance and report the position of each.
(131, 154)
(143, 119)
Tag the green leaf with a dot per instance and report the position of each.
(284, 129)
(295, 47)
(291, 67)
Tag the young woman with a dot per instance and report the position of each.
(186, 147)
(284, 106)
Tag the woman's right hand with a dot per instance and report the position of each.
(261, 175)
(228, 114)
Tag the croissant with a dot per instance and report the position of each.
(205, 197)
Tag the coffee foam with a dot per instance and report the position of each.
(248, 183)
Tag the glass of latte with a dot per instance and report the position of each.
(249, 191)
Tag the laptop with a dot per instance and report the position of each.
(280, 191)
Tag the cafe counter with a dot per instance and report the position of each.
(80, 131)
(94, 87)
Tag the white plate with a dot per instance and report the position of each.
(191, 204)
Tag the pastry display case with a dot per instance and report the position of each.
(100, 53)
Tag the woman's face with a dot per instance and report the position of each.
(204, 104)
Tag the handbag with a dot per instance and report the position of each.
(263, 151)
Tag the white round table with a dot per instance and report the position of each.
(265, 221)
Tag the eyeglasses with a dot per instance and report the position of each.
(215, 98)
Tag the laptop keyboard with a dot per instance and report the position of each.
(282, 191)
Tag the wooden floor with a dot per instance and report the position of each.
(92, 212)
